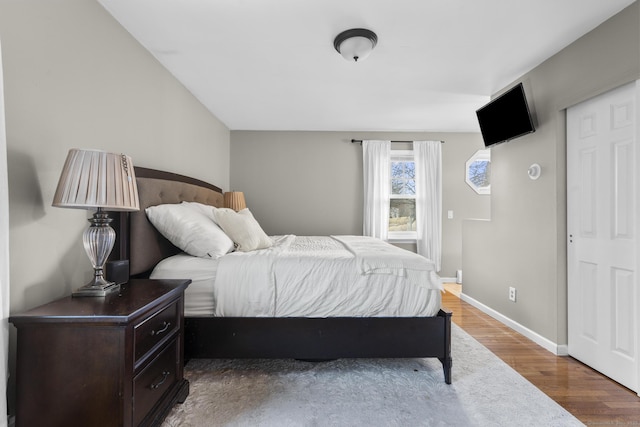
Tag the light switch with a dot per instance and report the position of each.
(450, 214)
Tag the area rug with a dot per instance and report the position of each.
(365, 392)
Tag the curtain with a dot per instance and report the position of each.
(4, 258)
(428, 161)
(375, 164)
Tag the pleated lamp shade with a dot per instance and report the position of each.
(234, 200)
(97, 179)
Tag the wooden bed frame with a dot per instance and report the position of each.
(298, 338)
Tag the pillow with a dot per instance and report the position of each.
(206, 210)
(190, 230)
(242, 228)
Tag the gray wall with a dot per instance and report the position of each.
(310, 183)
(524, 244)
(74, 78)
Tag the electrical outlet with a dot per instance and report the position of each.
(512, 294)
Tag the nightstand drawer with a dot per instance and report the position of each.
(154, 381)
(154, 329)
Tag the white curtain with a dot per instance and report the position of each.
(375, 164)
(4, 258)
(428, 160)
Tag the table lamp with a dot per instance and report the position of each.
(94, 179)
(234, 200)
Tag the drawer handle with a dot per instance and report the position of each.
(165, 326)
(165, 375)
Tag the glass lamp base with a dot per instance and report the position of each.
(98, 287)
(98, 241)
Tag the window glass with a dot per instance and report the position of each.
(403, 178)
(478, 172)
(402, 206)
(402, 215)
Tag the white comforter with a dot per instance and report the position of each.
(326, 277)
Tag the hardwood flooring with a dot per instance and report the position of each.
(590, 396)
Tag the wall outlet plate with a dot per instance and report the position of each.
(512, 294)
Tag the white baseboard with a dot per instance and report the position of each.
(557, 349)
(563, 350)
(448, 279)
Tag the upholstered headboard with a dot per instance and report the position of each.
(141, 242)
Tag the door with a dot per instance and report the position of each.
(602, 158)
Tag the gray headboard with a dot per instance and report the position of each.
(146, 246)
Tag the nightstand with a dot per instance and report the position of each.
(105, 361)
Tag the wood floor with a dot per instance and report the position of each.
(590, 396)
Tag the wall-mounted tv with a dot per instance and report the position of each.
(505, 117)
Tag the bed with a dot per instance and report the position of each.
(261, 336)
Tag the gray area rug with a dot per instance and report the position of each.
(366, 392)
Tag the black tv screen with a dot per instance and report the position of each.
(505, 117)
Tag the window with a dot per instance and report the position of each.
(478, 172)
(402, 195)
(402, 205)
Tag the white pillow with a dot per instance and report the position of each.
(190, 230)
(206, 210)
(243, 229)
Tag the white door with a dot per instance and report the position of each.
(602, 212)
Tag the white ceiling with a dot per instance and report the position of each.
(271, 65)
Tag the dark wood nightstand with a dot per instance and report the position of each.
(102, 361)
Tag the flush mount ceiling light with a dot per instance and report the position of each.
(355, 44)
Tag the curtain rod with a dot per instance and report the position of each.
(359, 141)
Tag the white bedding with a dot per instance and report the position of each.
(303, 276)
(199, 297)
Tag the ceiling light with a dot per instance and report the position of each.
(355, 44)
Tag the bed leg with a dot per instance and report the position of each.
(447, 362)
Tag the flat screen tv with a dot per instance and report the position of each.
(505, 117)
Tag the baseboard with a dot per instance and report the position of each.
(557, 349)
(563, 350)
(448, 279)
